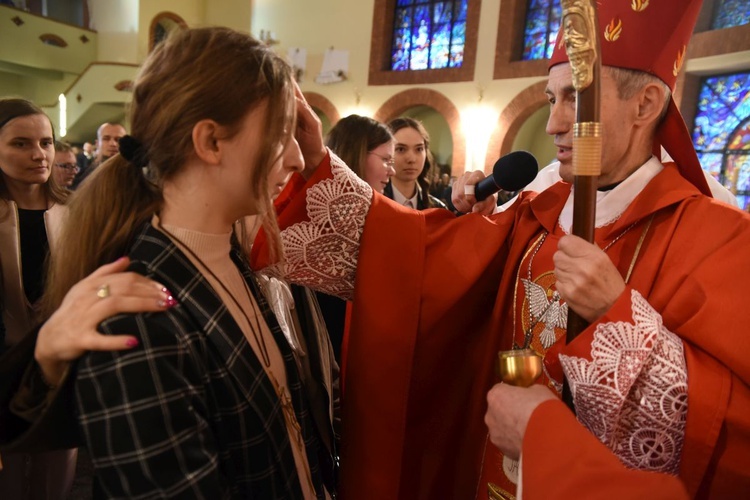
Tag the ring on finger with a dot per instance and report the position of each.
(469, 190)
(103, 291)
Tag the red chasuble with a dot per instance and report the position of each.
(435, 299)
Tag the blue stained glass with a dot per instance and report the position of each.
(729, 13)
(457, 56)
(533, 51)
(403, 18)
(721, 131)
(422, 15)
(428, 34)
(439, 56)
(461, 8)
(536, 24)
(442, 35)
(743, 176)
(542, 22)
(443, 12)
(459, 33)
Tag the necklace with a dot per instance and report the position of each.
(554, 304)
(260, 339)
(290, 417)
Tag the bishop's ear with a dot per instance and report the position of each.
(653, 103)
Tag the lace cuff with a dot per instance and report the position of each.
(632, 394)
(322, 253)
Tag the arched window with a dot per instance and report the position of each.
(721, 131)
(423, 41)
(428, 34)
(730, 13)
(161, 25)
(542, 23)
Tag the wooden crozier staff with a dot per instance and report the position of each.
(580, 35)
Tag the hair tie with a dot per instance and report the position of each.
(132, 150)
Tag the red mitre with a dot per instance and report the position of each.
(651, 36)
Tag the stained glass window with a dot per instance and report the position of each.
(730, 13)
(721, 132)
(428, 34)
(542, 23)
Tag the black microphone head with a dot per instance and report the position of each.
(515, 170)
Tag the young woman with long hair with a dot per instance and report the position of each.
(210, 402)
(409, 186)
(31, 211)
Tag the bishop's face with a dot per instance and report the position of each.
(618, 118)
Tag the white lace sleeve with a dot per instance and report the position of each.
(632, 395)
(322, 254)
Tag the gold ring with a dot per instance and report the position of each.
(102, 292)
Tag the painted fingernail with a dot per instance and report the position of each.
(122, 258)
(132, 342)
(171, 301)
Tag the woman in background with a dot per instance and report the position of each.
(366, 145)
(31, 211)
(409, 186)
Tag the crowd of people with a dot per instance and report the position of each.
(184, 313)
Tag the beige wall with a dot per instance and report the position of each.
(117, 24)
(235, 14)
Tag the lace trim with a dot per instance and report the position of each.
(322, 254)
(633, 394)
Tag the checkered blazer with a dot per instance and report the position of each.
(189, 413)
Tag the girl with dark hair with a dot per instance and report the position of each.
(410, 186)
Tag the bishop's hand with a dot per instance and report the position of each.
(587, 280)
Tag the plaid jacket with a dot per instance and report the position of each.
(189, 413)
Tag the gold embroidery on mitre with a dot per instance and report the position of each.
(613, 30)
(679, 60)
(639, 5)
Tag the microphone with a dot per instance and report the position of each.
(510, 173)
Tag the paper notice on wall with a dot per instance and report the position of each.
(335, 67)
(297, 57)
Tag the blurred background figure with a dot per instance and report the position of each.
(107, 145)
(65, 166)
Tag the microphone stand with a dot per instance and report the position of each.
(580, 32)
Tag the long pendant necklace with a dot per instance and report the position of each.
(284, 397)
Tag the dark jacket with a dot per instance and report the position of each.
(190, 411)
(422, 202)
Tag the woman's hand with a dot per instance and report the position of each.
(72, 329)
(309, 134)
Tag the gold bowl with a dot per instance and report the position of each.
(519, 367)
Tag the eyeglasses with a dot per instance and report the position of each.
(67, 166)
(387, 160)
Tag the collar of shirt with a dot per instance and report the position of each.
(401, 199)
(611, 204)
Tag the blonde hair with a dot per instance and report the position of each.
(196, 74)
